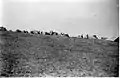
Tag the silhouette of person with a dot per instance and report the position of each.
(82, 36)
(87, 36)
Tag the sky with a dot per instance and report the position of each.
(75, 17)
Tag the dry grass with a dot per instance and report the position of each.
(40, 55)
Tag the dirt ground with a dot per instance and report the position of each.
(26, 55)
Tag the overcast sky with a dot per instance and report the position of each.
(100, 17)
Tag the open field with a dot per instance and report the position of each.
(40, 55)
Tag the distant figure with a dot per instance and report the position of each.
(87, 36)
(18, 31)
(3, 29)
(66, 35)
(63, 34)
(39, 32)
(53, 33)
(95, 36)
(25, 31)
(82, 36)
(32, 32)
(116, 40)
(46, 33)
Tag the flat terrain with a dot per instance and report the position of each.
(40, 55)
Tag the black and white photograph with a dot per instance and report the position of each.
(59, 38)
